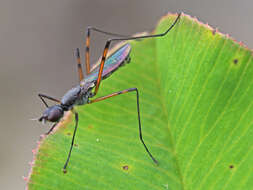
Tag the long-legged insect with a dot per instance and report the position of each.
(81, 94)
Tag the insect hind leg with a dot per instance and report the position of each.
(138, 114)
(87, 42)
(108, 42)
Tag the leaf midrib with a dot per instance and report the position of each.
(164, 108)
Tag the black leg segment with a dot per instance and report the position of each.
(51, 129)
(42, 96)
(72, 143)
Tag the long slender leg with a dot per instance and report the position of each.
(87, 50)
(79, 65)
(128, 38)
(138, 111)
(51, 129)
(72, 143)
(42, 96)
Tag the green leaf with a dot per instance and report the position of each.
(196, 89)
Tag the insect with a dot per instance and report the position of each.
(84, 92)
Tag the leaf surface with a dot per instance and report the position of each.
(196, 89)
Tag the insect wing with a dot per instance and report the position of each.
(116, 59)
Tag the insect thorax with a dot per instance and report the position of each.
(78, 95)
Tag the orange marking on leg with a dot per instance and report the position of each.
(124, 91)
(87, 63)
(101, 69)
(88, 42)
(79, 66)
(87, 54)
(105, 52)
(80, 69)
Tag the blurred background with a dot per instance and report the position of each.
(37, 39)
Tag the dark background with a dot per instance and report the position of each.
(37, 39)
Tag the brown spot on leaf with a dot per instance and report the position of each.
(125, 167)
(235, 61)
(76, 145)
(68, 133)
(231, 166)
(90, 127)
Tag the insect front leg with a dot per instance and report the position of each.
(51, 129)
(42, 96)
(72, 143)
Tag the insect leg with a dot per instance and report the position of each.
(79, 65)
(51, 129)
(108, 42)
(87, 42)
(138, 111)
(72, 143)
(42, 96)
